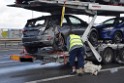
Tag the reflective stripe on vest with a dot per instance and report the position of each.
(75, 40)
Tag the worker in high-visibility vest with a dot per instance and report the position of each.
(76, 50)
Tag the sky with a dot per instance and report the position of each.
(11, 17)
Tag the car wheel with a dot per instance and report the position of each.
(93, 38)
(117, 37)
(59, 43)
(107, 55)
(31, 50)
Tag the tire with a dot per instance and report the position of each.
(59, 44)
(93, 38)
(117, 37)
(31, 50)
(107, 56)
(121, 54)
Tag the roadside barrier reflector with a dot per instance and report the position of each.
(15, 57)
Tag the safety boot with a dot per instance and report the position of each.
(80, 71)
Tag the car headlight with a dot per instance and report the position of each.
(108, 28)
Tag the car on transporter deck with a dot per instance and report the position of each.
(111, 29)
(41, 32)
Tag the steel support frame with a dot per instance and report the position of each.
(85, 38)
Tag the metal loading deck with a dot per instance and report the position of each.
(72, 7)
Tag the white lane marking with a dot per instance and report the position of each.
(114, 68)
(49, 79)
(60, 77)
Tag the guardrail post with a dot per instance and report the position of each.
(5, 44)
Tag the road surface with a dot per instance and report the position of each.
(36, 72)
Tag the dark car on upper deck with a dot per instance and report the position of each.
(41, 32)
(112, 29)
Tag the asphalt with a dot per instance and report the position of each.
(108, 76)
(36, 72)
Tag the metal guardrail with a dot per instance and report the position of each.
(19, 39)
(5, 43)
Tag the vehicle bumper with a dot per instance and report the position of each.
(36, 42)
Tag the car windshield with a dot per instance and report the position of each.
(113, 21)
(36, 24)
(110, 21)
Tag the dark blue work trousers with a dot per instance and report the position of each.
(79, 53)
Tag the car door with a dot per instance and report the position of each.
(121, 25)
(65, 27)
(77, 25)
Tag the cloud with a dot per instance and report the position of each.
(11, 17)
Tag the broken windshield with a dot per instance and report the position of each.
(40, 24)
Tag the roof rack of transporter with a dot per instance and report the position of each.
(72, 7)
